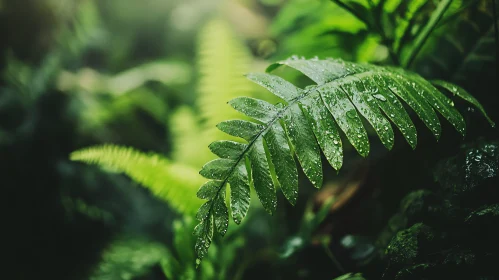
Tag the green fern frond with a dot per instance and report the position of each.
(174, 183)
(184, 127)
(223, 59)
(310, 119)
(128, 258)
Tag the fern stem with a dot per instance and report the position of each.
(427, 30)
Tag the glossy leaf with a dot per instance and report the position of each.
(220, 213)
(277, 85)
(254, 108)
(460, 92)
(227, 149)
(346, 116)
(392, 108)
(262, 179)
(239, 128)
(217, 169)
(239, 192)
(368, 108)
(306, 148)
(281, 156)
(204, 233)
(209, 190)
(309, 122)
(325, 129)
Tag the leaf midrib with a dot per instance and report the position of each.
(306, 93)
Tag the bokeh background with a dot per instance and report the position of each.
(156, 75)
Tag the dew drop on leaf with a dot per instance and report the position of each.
(379, 97)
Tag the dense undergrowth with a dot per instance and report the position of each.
(139, 89)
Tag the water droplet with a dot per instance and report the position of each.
(379, 97)
(335, 142)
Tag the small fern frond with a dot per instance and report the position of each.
(128, 258)
(185, 128)
(310, 120)
(174, 183)
(223, 60)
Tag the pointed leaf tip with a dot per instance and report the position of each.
(463, 94)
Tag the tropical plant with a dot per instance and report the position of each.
(304, 121)
(222, 60)
(129, 257)
(221, 54)
(176, 180)
(310, 120)
(174, 183)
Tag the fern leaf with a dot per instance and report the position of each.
(128, 258)
(184, 126)
(175, 183)
(456, 90)
(223, 59)
(309, 118)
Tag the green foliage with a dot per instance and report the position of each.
(127, 258)
(425, 32)
(73, 206)
(222, 60)
(222, 57)
(456, 220)
(307, 122)
(350, 276)
(310, 222)
(174, 183)
(131, 257)
(322, 28)
(369, 30)
(171, 73)
(456, 90)
(463, 45)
